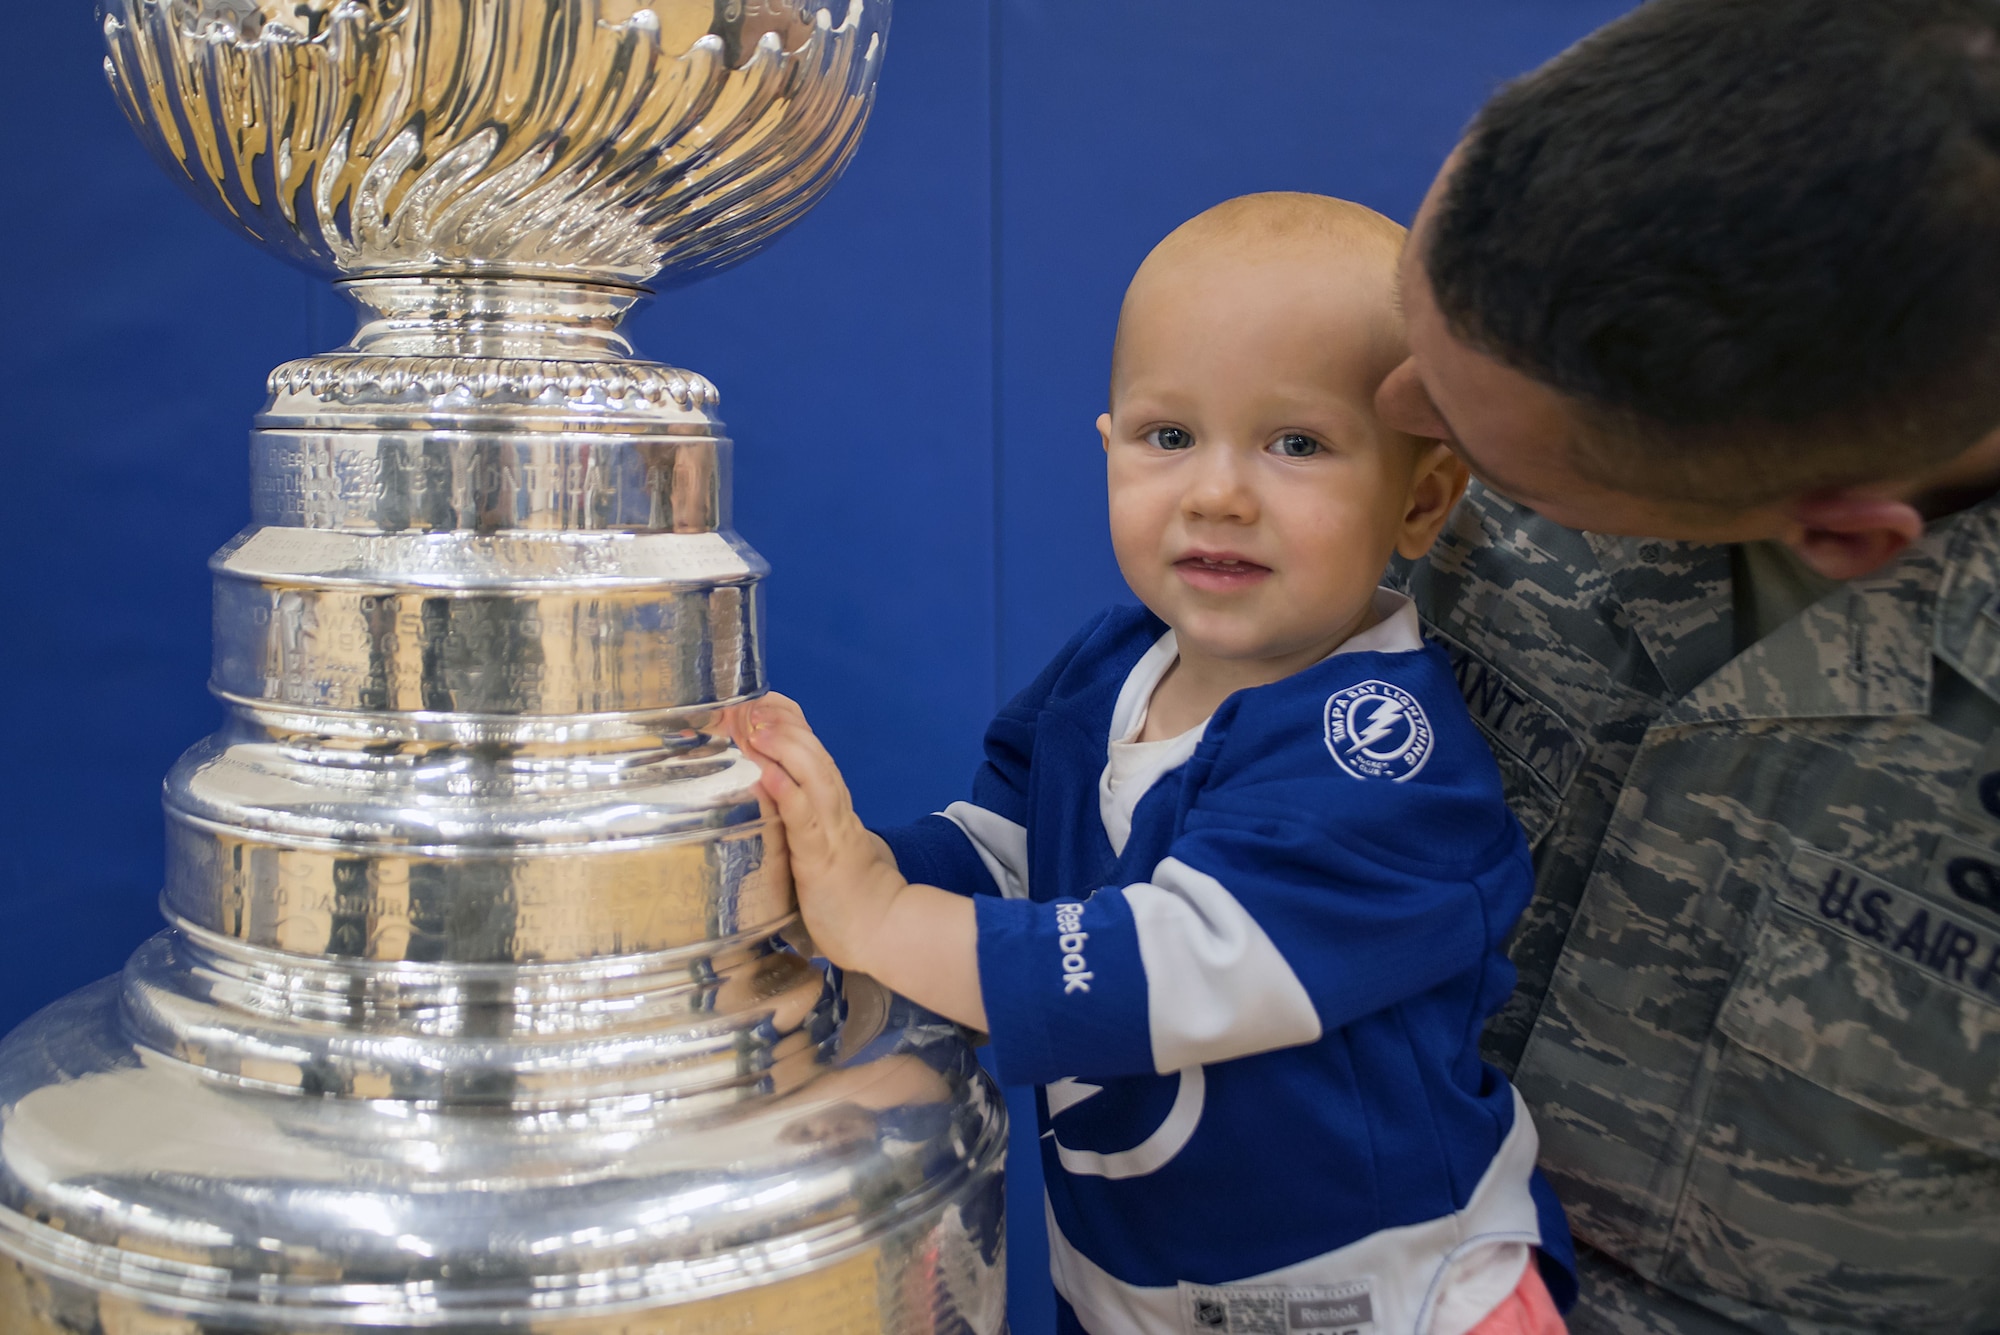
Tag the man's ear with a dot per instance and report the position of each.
(1104, 430)
(1844, 534)
(1436, 483)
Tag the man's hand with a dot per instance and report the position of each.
(863, 915)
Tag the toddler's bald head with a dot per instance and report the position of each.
(1340, 251)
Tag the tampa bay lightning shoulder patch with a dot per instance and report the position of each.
(1378, 731)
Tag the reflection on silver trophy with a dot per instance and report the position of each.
(482, 1004)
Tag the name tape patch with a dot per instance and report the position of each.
(1946, 946)
(1378, 731)
(1516, 722)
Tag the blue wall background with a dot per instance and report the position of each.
(911, 375)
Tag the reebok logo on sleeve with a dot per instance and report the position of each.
(1076, 974)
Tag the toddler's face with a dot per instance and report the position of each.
(1255, 499)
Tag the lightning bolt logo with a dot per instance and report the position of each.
(1377, 730)
(1380, 724)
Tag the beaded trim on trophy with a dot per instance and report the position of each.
(493, 348)
(367, 381)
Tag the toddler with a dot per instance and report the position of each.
(1235, 875)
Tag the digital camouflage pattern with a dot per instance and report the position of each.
(1758, 1018)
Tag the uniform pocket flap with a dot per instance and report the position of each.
(1880, 995)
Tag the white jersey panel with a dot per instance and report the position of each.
(1002, 845)
(1216, 987)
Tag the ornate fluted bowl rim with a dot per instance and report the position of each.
(601, 140)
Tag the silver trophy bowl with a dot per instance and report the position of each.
(483, 1004)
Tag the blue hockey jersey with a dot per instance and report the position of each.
(1255, 1014)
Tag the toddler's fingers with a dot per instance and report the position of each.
(808, 815)
(745, 722)
(807, 822)
(773, 706)
(804, 758)
(776, 781)
(752, 732)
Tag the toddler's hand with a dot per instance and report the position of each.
(846, 877)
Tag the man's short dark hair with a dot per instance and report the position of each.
(1760, 238)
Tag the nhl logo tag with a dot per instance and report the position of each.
(1377, 731)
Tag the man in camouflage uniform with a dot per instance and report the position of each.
(1757, 741)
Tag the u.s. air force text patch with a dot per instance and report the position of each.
(1377, 731)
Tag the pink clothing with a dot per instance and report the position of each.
(1528, 1310)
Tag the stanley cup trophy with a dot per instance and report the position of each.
(482, 1004)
